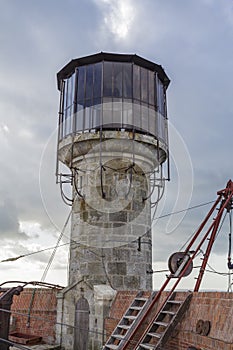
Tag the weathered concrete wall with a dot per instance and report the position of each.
(216, 307)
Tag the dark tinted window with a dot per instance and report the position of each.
(144, 85)
(160, 97)
(151, 87)
(81, 83)
(89, 82)
(117, 79)
(107, 79)
(127, 80)
(136, 82)
(97, 80)
(114, 95)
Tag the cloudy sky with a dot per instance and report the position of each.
(192, 40)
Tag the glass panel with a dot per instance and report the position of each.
(68, 93)
(79, 117)
(107, 112)
(88, 118)
(117, 111)
(72, 81)
(62, 108)
(127, 80)
(97, 110)
(117, 79)
(165, 132)
(65, 95)
(161, 126)
(156, 89)
(75, 81)
(128, 114)
(107, 79)
(160, 97)
(144, 85)
(152, 122)
(137, 115)
(89, 82)
(68, 105)
(81, 81)
(68, 122)
(151, 88)
(144, 118)
(136, 82)
(97, 80)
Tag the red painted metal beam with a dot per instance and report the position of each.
(225, 195)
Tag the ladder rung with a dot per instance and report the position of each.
(130, 317)
(111, 346)
(174, 301)
(141, 299)
(123, 326)
(147, 346)
(168, 312)
(138, 308)
(118, 336)
(155, 335)
(164, 324)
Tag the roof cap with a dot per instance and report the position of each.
(69, 68)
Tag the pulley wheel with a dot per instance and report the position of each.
(199, 326)
(176, 260)
(206, 328)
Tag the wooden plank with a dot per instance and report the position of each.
(82, 324)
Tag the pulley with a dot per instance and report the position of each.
(176, 260)
(203, 327)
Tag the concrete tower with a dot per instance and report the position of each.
(113, 139)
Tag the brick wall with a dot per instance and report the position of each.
(120, 304)
(216, 307)
(42, 315)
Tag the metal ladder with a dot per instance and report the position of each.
(128, 321)
(164, 323)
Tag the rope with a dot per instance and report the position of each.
(55, 249)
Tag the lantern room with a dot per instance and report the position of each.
(109, 91)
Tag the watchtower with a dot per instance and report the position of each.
(113, 140)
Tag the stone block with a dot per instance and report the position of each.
(132, 282)
(117, 281)
(95, 268)
(117, 268)
(121, 254)
(104, 293)
(120, 216)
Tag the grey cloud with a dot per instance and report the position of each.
(189, 38)
(9, 224)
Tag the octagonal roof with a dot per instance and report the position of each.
(69, 68)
